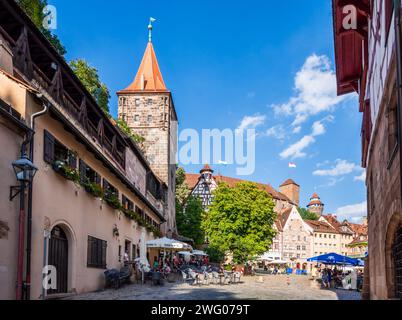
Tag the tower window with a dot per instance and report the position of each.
(149, 101)
(137, 102)
(136, 118)
(149, 118)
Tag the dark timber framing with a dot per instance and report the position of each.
(37, 63)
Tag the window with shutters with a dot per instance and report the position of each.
(127, 203)
(140, 212)
(96, 257)
(109, 189)
(88, 175)
(55, 151)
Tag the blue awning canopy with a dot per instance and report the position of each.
(335, 259)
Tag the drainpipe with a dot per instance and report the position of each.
(30, 196)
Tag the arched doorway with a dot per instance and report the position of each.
(58, 257)
(397, 254)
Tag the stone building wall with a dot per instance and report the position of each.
(384, 202)
(151, 115)
(296, 238)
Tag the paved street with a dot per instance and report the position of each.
(272, 288)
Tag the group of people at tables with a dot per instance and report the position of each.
(338, 278)
(174, 262)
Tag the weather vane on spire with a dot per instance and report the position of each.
(150, 27)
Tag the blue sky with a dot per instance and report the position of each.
(264, 63)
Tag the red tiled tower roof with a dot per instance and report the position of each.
(288, 182)
(206, 168)
(149, 77)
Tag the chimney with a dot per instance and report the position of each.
(6, 57)
(291, 190)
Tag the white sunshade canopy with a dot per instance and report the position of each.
(279, 262)
(185, 253)
(199, 253)
(169, 244)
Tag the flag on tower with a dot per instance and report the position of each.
(292, 165)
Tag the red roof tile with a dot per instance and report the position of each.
(320, 226)
(289, 182)
(192, 180)
(206, 168)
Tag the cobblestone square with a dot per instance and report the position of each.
(251, 288)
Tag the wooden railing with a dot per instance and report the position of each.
(74, 110)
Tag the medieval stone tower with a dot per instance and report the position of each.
(315, 205)
(292, 190)
(147, 107)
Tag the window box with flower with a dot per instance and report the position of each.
(66, 171)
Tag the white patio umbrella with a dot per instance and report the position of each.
(199, 253)
(185, 253)
(278, 262)
(168, 244)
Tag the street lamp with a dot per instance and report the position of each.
(24, 171)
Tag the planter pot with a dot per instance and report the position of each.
(59, 169)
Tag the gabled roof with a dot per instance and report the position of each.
(283, 217)
(320, 226)
(192, 180)
(289, 182)
(359, 229)
(149, 77)
(206, 168)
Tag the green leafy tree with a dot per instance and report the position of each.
(189, 220)
(307, 215)
(240, 221)
(189, 210)
(182, 189)
(90, 78)
(34, 9)
(215, 254)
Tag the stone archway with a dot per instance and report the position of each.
(393, 226)
(70, 238)
(58, 258)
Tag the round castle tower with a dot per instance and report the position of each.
(315, 205)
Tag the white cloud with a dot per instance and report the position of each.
(341, 168)
(362, 177)
(353, 212)
(296, 150)
(297, 130)
(315, 91)
(277, 132)
(251, 122)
